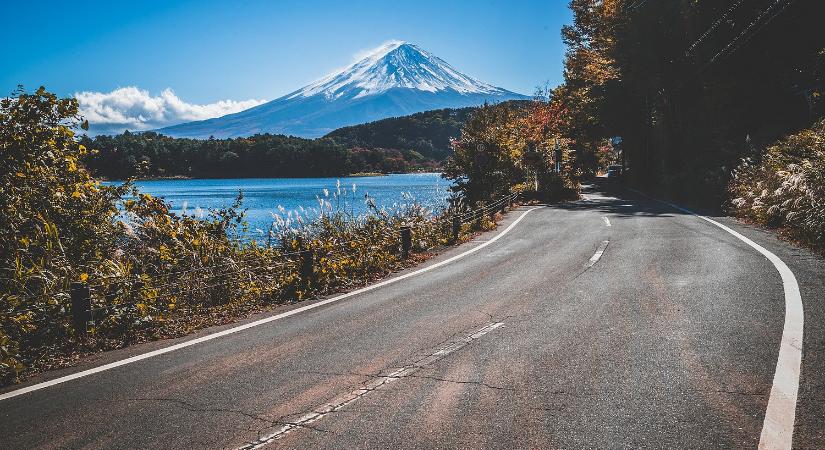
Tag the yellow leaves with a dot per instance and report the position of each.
(76, 194)
(165, 254)
(20, 175)
(83, 277)
(25, 241)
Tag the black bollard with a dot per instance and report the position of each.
(406, 242)
(81, 306)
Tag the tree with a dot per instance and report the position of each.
(484, 160)
(56, 222)
(505, 146)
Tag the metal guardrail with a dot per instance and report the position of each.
(82, 311)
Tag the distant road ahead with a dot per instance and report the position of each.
(611, 322)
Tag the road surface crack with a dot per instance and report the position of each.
(191, 407)
(375, 382)
(410, 375)
(470, 382)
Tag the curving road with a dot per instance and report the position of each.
(612, 322)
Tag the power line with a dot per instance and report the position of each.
(713, 27)
(636, 5)
(735, 41)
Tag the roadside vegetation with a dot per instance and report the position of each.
(701, 94)
(691, 87)
(152, 273)
(785, 187)
(514, 147)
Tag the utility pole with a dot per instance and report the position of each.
(557, 155)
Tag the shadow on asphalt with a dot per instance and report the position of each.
(618, 201)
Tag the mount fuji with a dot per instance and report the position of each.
(396, 79)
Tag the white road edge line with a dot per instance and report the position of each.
(599, 252)
(606, 221)
(209, 337)
(777, 429)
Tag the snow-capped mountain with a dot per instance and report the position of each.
(396, 79)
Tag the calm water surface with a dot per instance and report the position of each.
(263, 196)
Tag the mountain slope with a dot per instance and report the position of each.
(428, 133)
(396, 80)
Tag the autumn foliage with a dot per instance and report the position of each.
(153, 273)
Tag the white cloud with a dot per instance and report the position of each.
(134, 109)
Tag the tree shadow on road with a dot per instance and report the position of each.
(618, 202)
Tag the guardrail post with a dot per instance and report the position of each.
(456, 228)
(307, 272)
(81, 306)
(406, 242)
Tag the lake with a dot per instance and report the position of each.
(264, 196)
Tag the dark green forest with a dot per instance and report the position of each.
(427, 133)
(692, 87)
(153, 155)
(402, 144)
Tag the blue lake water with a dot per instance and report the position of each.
(264, 196)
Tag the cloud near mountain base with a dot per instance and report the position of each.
(134, 109)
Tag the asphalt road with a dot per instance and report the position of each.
(669, 340)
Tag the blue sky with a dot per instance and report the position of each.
(206, 51)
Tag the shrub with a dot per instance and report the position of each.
(55, 221)
(786, 187)
(150, 272)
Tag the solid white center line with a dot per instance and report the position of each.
(596, 256)
(209, 337)
(777, 429)
(606, 221)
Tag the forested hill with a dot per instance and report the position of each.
(416, 142)
(153, 155)
(427, 133)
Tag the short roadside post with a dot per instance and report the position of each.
(81, 306)
(456, 228)
(307, 263)
(406, 242)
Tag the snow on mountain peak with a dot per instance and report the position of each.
(395, 64)
(395, 79)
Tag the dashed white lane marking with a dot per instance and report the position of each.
(233, 330)
(606, 221)
(777, 429)
(376, 383)
(596, 256)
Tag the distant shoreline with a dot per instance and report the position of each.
(183, 177)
